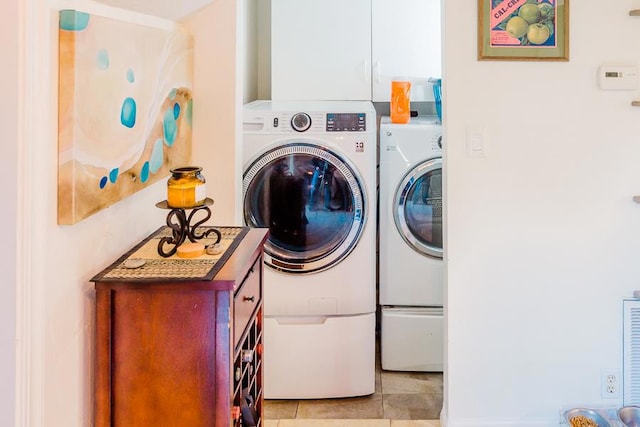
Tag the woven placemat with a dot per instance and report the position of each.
(157, 267)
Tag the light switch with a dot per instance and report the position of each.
(475, 142)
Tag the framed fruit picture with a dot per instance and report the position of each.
(523, 30)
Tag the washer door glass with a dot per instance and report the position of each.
(311, 200)
(418, 208)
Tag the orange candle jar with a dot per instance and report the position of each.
(186, 187)
(400, 103)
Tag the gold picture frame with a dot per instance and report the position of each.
(523, 30)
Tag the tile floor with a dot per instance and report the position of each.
(401, 399)
(351, 423)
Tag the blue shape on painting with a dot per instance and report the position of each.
(189, 111)
(176, 111)
(72, 20)
(157, 156)
(103, 59)
(170, 127)
(113, 175)
(172, 93)
(103, 182)
(130, 76)
(128, 113)
(144, 173)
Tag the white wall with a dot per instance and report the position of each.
(250, 52)
(10, 111)
(217, 102)
(543, 237)
(67, 257)
(264, 49)
(542, 242)
(74, 254)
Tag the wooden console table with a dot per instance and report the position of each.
(179, 341)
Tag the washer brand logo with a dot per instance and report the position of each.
(392, 148)
(360, 147)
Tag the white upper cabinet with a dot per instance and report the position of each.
(406, 43)
(352, 49)
(321, 50)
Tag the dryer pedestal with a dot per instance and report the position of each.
(412, 339)
(309, 357)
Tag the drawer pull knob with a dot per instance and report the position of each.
(250, 299)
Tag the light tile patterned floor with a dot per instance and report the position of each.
(398, 396)
(351, 423)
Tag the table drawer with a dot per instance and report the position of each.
(246, 301)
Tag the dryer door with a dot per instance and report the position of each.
(417, 208)
(313, 202)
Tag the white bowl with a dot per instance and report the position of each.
(629, 416)
(587, 413)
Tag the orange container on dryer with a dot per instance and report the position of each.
(400, 101)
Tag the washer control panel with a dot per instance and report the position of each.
(309, 122)
(346, 122)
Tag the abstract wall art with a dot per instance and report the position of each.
(125, 108)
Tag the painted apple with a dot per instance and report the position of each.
(517, 27)
(530, 13)
(538, 33)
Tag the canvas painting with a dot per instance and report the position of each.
(125, 108)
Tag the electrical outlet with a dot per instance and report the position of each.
(611, 384)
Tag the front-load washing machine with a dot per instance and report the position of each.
(310, 177)
(411, 250)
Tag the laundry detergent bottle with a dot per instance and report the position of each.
(400, 101)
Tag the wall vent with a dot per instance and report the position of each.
(631, 352)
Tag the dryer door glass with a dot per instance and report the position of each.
(312, 202)
(418, 208)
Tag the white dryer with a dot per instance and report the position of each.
(310, 177)
(411, 250)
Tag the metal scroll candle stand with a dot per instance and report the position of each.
(182, 229)
(186, 190)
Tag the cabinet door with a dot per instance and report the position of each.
(406, 42)
(321, 50)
